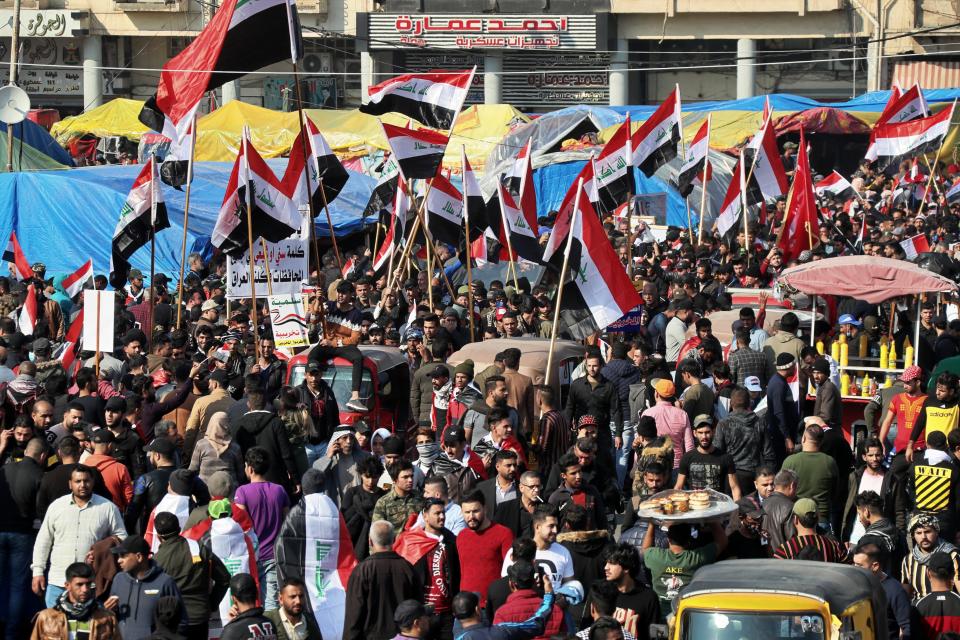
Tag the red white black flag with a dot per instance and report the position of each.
(14, 255)
(514, 175)
(431, 98)
(835, 186)
(896, 142)
(655, 143)
(553, 250)
(901, 107)
(692, 171)
(273, 215)
(393, 238)
(518, 226)
(763, 156)
(597, 291)
(444, 212)
(418, 152)
(143, 213)
(732, 205)
(613, 169)
(325, 169)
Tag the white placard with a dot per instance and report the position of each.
(289, 267)
(98, 317)
(289, 321)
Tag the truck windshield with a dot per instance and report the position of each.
(769, 625)
(339, 379)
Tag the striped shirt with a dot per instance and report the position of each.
(914, 572)
(811, 547)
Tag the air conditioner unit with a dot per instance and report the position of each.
(318, 63)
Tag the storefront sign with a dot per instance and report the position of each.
(46, 66)
(482, 31)
(46, 23)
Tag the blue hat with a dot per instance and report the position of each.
(849, 319)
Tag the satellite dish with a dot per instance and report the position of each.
(14, 104)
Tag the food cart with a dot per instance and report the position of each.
(875, 281)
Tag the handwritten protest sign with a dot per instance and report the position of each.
(289, 321)
(288, 260)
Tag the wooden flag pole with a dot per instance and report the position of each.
(563, 274)
(154, 176)
(506, 233)
(266, 264)
(305, 148)
(936, 160)
(703, 202)
(186, 218)
(935, 185)
(466, 230)
(333, 236)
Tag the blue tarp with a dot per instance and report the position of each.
(553, 180)
(62, 218)
(40, 139)
(873, 101)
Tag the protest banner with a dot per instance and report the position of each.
(289, 267)
(289, 321)
(98, 320)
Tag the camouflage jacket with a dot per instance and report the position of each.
(396, 510)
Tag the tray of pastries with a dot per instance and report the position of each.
(703, 505)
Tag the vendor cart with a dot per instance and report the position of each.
(873, 280)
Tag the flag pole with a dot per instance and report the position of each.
(96, 356)
(427, 241)
(186, 217)
(746, 220)
(935, 185)
(154, 176)
(506, 233)
(563, 273)
(703, 183)
(333, 236)
(466, 229)
(266, 264)
(253, 283)
(936, 160)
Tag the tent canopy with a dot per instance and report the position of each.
(866, 278)
(66, 217)
(30, 133)
(115, 118)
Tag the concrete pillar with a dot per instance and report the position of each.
(746, 71)
(368, 68)
(873, 65)
(92, 74)
(619, 76)
(230, 92)
(492, 78)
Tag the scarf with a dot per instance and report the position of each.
(428, 453)
(218, 432)
(76, 610)
(922, 557)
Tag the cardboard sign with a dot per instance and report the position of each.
(289, 321)
(98, 319)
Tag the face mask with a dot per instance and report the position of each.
(429, 451)
(32, 356)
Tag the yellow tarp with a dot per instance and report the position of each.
(115, 118)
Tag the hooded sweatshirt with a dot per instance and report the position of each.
(264, 429)
(586, 548)
(139, 599)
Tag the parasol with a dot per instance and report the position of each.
(866, 278)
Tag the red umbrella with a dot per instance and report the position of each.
(864, 278)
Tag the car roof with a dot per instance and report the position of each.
(838, 585)
(533, 359)
(383, 356)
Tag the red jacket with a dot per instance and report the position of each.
(521, 605)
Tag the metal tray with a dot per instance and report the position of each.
(721, 508)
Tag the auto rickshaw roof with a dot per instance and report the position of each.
(838, 585)
(533, 359)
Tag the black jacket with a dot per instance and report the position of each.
(603, 402)
(202, 579)
(250, 625)
(586, 548)
(849, 509)
(148, 491)
(264, 429)
(745, 438)
(488, 488)
(357, 510)
(324, 410)
(128, 450)
(778, 519)
(376, 586)
(513, 516)
(19, 483)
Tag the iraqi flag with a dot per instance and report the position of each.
(692, 170)
(77, 281)
(553, 249)
(514, 175)
(801, 227)
(418, 152)
(613, 169)
(242, 36)
(27, 320)
(519, 228)
(174, 503)
(915, 245)
(953, 193)
(314, 546)
(144, 210)
(273, 214)
(175, 170)
(444, 212)
(393, 238)
(325, 169)
(896, 142)
(474, 206)
(655, 143)
(901, 107)
(66, 353)
(382, 196)
(835, 186)
(767, 173)
(527, 198)
(14, 255)
(732, 205)
(433, 99)
(598, 291)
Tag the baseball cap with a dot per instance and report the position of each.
(702, 419)
(913, 372)
(803, 506)
(134, 274)
(752, 383)
(208, 305)
(102, 436)
(665, 388)
(162, 446)
(131, 544)
(849, 319)
(313, 365)
(408, 611)
(440, 372)
(454, 437)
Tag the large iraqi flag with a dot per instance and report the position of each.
(431, 98)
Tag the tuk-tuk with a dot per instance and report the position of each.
(384, 388)
(779, 600)
(567, 354)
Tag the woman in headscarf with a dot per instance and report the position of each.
(300, 429)
(217, 451)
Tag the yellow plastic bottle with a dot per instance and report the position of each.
(820, 347)
(844, 354)
(907, 357)
(843, 338)
(892, 356)
(835, 350)
(884, 354)
(862, 348)
(845, 384)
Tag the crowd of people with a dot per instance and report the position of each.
(152, 491)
